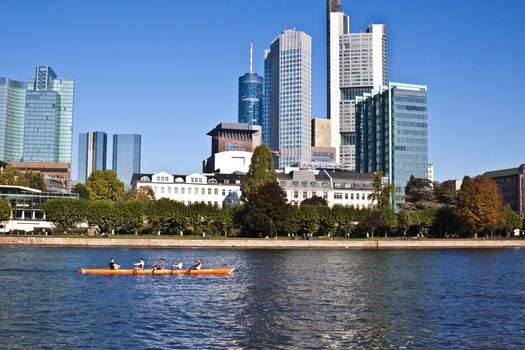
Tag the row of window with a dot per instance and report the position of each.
(183, 190)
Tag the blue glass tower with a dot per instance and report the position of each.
(12, 109)
(392, 135)
(92, 153)
(250, 99)
(250, 96)
(48, 127)
(126, 156)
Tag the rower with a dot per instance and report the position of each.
(177, 266)
(197, 265)
(112, 265)
(140, 265)
(159, 265)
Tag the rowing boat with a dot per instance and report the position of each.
(225, 271)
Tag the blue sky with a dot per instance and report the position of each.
(168, 69)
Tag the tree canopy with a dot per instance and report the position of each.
(5, 210)
(104, 185)
(261, 171)
(479, 205)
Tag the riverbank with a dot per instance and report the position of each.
(261, 243)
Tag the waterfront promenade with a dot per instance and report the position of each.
(261, 243)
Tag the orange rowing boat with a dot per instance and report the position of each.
(225, 271)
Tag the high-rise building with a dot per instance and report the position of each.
(392, 134)
(356, 63)
(92, 153)
(250, 96)
(48, 127)
(321, 132)
(287, 100)
(126, 156)
(12, 105)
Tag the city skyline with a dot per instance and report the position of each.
(458, 69)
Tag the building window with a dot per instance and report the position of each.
(196, 190)
(189, 190)
(203, 191)
(155, 189)
(182, 190)
(162, 190)
(325, 195)
(216, 191)
(169, 190)
(305, 194)
(363, 196)
(226, 181)
(176, 190)
(338, 195)
(224, 192)
(295, 194)
(209, 190)
(346, 195)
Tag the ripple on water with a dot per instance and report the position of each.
(285, 299)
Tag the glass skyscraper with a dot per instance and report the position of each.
(12, 111)
(48, 127)
(92, 153)
(126, 156)
(356, 63)
(250, 99)
(392, 134)
(287, 111)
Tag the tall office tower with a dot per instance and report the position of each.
(392, 134)
(12, 105)
(126, 156)
(250, 96)
(287, 99)
(356, 64)
(48, 127)
(92, 153)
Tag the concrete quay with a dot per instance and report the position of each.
(261, 243)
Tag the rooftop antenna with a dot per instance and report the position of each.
(251, 56)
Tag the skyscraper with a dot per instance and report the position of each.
(356, 63)
(392, 134)
(250, 96)
(126, 156)
(48, 127)
(287, 100)
(92, 153)
(12, 105)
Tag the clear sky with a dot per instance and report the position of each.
(168, 69)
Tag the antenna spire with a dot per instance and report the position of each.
(251, 57)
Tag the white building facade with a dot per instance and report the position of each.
(337, 188)
(212, 189)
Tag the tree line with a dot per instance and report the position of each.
(430, 209)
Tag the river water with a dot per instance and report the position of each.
(285, 299)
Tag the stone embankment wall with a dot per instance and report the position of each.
(260, 243)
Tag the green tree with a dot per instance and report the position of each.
(384, 215)
(5, 210)
(511, 220)
(266, 212)
(315, 201)
(81, 190)
(104, 185)
(141, 194)
(479, 205)
(261, 171)
(444, 194)
(419, 194)
(10, 176)
(66, 213)
(34, 180)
